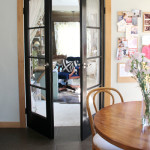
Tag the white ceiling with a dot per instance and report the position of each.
(65, 5)
(65, 2)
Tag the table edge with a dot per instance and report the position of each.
(118, 144)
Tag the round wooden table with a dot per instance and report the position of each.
(121, 125)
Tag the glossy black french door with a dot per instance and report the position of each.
(38, 66)
(92, 54)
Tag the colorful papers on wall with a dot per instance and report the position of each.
(146, 51)
(121, 26)
(132, 43)
(135, 21)
(132, 46)
(146, 46)
(129, 17)
(126, 47)
(128, 31)
(131, 31)
(128, 23)
(122, 48)
(146, 22)
(136, 12)
(134, 30)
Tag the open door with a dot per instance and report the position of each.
(38, 66)
(92, 54)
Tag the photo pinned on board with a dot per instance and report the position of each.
(147, 28)
(122, 50)
(146, 22)
(135, 21)
(136, 12)
(134, 30)
(126, 47)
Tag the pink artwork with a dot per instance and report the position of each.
(132, 51)
(146, 51)
(133, 43)
(129, 20)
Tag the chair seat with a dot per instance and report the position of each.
(103, 144)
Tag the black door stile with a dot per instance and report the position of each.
(48, 58)
(85, 125)
(42, 124)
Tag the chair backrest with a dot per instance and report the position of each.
(95, 92)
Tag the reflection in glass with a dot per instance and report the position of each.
(93, 13)
(38, 101)
(93, 42)
(37, 72)
(93, 77)
(36, 13)
(37, 43)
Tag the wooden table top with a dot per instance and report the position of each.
(121, 125)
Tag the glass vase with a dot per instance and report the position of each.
(146, 111)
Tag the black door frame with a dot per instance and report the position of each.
(48, 26)
(44, 125)
(85, 129)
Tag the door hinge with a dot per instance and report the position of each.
(23, 10)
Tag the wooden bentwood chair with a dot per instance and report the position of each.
(98, 142)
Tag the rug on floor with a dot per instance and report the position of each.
(68, 97)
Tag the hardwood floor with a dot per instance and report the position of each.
(66, 138)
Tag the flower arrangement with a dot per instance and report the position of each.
(139, 66)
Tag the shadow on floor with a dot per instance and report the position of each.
(66, 138)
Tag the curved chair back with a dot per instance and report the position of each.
(95, 92)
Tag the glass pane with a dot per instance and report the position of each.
(37, 43)
(38, 101)
(93, 76)
(36, 13)
(93, 13)
(67, 38)
(37, 72)
(93, 42)
(91, 102)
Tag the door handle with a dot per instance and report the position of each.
(46, 65)
(86, 65)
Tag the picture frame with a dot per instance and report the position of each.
(146, 22)
(122, 76)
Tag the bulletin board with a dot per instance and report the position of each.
(127, 23)
(124, 76)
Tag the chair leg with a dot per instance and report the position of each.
(95, 147)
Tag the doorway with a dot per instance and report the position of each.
(56, 74)
(66, 62)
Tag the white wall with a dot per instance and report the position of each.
(130, 91)
(9, 99)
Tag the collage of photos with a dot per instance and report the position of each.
(126, 47)
(146, 22)
(128, 18)
(128, 24)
